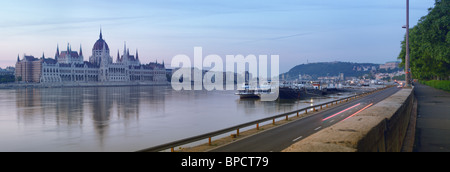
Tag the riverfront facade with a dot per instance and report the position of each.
(69, 66)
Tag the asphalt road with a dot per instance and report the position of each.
(279, 138)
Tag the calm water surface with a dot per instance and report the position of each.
(121, 118)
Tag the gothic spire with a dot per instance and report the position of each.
(137, 55)
(57, 51)
(101, 36)
(81, 51)
(18, 59)
(118, 57)
(124, 48)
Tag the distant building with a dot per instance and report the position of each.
(328, 78)
(390, 65)
(28, 69)
(304, 77)
(69, 66)
(8, 71)
(340, 77)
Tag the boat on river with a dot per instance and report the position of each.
(248, 92)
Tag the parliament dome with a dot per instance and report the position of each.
(99, 44)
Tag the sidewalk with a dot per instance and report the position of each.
(433, 120)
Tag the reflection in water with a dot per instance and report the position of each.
(121, 118)
(69, 106)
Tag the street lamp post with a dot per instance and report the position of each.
(407, 71)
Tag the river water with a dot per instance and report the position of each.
(122, 118)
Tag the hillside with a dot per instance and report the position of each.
(316, 70)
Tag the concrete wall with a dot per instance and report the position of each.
(380, 128)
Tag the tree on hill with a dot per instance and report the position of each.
(329, 69)
(430, 44)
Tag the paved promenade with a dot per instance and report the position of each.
(433, 120)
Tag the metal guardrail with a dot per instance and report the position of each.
(185, 141)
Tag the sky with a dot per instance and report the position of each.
(299, 31)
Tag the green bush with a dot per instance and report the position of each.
(6, 78)
(442, 85)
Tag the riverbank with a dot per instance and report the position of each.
(79, 84)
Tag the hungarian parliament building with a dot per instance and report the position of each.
(69, 66)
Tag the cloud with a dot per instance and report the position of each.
(58, 21)
(288, 36)
(277, 38)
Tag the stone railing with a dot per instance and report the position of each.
(380, 128)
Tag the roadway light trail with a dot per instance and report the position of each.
(358, 111)
(341, 112)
